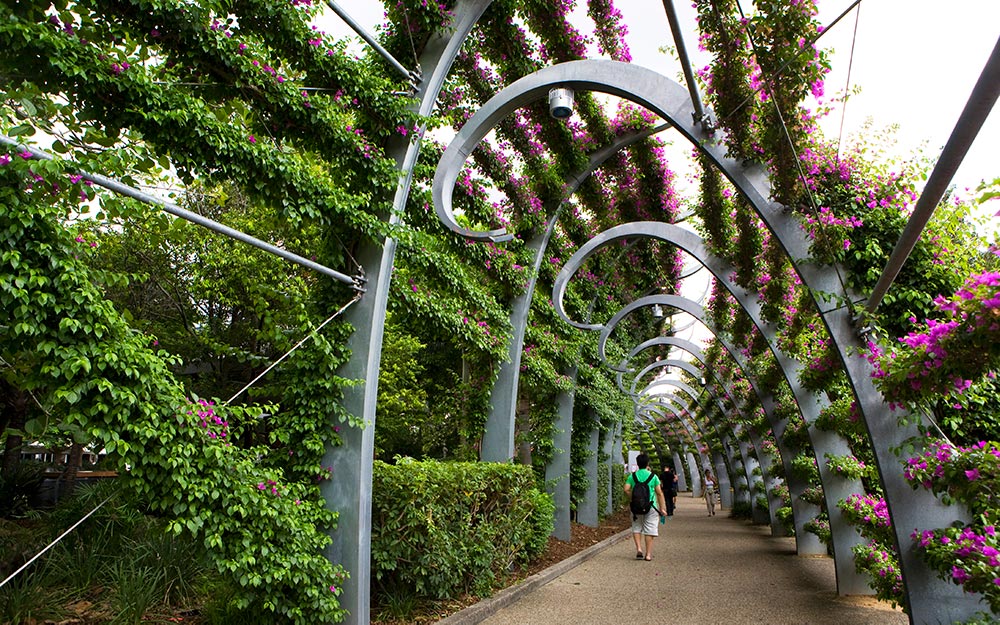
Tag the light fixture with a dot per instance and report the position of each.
(561, 103)
(657, 311)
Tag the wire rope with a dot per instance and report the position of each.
(791, 144)
(53, 543)
(409, 33)
(297, 345)
(779, 72)
(847, 87)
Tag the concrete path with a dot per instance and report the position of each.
(705, 570)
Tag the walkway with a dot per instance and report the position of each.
(705, 570)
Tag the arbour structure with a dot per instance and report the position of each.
(929, 598)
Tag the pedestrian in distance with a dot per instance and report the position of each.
(645, 496)
(710, 492)
(669, 485)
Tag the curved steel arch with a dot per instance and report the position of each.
(498, 438)
(725, 433)
(350, 490)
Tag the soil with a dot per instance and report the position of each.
(581, 537)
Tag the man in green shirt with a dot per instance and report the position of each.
(645, 525)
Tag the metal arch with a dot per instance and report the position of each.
(516, 95)
(694, 394)
(689, 424)
(727, 394)
(607, 329)
(645, 420)
(929, 597)
(695, 269)
(726, 469)
(350, 490)
(646, 416)
(848, 580)
(659, 364)
(694, 434)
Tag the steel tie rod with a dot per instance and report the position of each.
(356, 282)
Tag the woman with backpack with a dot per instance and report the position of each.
(645, 496)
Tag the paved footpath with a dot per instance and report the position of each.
(705, 570)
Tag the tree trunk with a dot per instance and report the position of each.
(73, 463)
(14, 404)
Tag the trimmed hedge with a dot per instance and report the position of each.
(442, 529)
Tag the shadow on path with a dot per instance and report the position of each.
(705, 570)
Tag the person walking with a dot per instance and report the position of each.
(669, 486)
(644, 486)
(710, 492)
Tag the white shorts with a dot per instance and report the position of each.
(648, 525)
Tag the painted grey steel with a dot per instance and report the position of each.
(696, 487)
(412, 76)
(588, 508)
(696, 398)
(349, 491)
(698, 116)
(721, 469)
(356, 282)
(693, 245)
(725, 486)
(557, 470)
(836, 487)
(677, 407)
(931, 599)
(755, 472)
(977, 109)
(686, 436)
(849, 581)
(607, 438)
(681, 473)
(721, 431)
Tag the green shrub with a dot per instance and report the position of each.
(442, 529)
(787, 519)
(16, 488)
(741, 510)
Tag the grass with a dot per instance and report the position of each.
(119, 567)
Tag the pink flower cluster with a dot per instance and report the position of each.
(214, 425)
(870, 509)
(947, 355)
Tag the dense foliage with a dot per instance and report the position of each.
(444, 529)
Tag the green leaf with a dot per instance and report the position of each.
(23, 130)
(34, 427)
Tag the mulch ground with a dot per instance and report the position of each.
(581, 537)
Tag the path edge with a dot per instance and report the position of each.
(482, 610)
